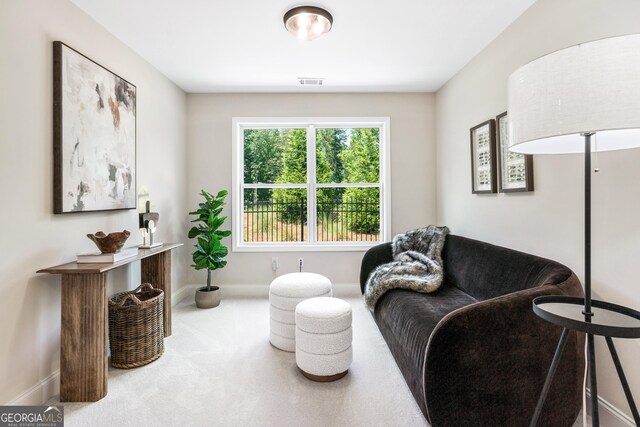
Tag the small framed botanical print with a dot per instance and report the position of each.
(483, 158)
(515, 170)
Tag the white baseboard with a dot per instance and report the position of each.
(228, 291)
(340, 290)
(182, 293)
(610, 416)
(245, 291)
(39, 393)
(346, 290)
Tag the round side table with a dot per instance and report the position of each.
(608, 320)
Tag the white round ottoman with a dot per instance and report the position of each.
(323, 338)
(285, 293)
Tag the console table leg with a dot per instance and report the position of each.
(623, 381)
(156, 270)
(552, 372)
(83, 338)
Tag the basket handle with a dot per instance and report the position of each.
(131, 297)
(144, 287)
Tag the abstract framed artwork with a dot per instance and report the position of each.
(483, 158)
(515, 170)
(94, 135)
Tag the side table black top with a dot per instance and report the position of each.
(609, 320)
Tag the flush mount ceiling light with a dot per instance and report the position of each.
(308, 22)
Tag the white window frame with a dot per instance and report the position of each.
(311, 124)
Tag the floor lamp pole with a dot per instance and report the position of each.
(591, 353)
(587, 226)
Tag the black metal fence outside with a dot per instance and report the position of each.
(350, 220)
(275, 221)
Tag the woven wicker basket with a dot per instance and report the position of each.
(136, 332)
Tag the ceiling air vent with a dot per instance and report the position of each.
(310, 81)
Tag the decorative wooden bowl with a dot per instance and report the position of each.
(111, 243)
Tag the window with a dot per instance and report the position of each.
(310, 184)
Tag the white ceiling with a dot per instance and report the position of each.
(242, 46)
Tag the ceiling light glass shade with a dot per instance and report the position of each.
(308, 22)
(590, 87)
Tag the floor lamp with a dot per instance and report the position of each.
(581, 99)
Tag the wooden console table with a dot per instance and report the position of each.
(84, 327)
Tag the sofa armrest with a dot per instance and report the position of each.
(375, 256)
(488, 361)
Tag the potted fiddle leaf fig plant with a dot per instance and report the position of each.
(210, 251)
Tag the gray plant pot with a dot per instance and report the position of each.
(208, 299)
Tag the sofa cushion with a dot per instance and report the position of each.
(406, 320)
(486, 271)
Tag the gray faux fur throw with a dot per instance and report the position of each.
(416, 265)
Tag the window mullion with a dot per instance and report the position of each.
(311, 185)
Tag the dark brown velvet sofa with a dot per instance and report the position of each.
(473, 353)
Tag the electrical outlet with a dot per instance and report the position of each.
(300, 263)
(274, 263)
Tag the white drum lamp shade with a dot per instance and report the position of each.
(592, 87)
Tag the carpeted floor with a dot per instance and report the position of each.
(219, 369)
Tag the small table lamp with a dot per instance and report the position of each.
(577, 100)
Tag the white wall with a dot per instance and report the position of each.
(34, 238)
(412, 167)
(548, 222)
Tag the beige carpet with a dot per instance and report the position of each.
(219, 369)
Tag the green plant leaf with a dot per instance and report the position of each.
(215, 223)
(201, 249)
(208, 197)
(194, 232)
(221, 253)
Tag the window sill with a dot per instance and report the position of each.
(304, 248)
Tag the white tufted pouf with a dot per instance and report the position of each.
(285, 293)
(323, 338)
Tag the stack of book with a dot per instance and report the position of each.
(124, 253)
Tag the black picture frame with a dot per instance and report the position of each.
(483, 158)
(515, 171)
(94, 135)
